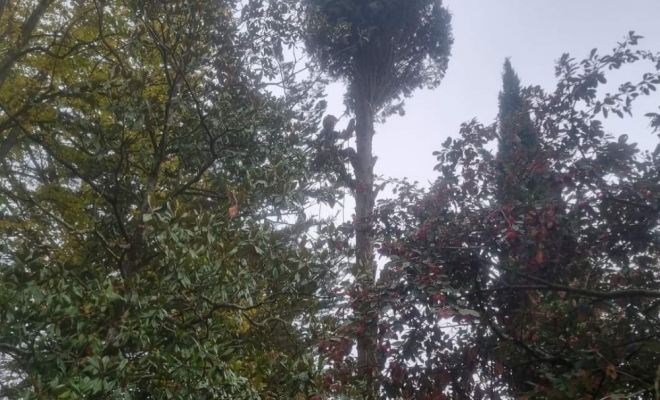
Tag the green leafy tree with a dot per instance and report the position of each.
(517, 143)
(21, 22)
(513, 116)
(141, 203)
(383, 50)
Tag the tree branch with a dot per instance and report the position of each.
(8, 143)
(619, 294)
(26, 33)
(14, 351)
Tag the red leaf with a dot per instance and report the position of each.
(611, 371)
(512, 235)
(540, 257)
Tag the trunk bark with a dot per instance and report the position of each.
(365, 267)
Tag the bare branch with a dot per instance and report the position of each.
(619, 294)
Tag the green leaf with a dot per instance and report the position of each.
(464, 311)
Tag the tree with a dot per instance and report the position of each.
(15, 46)
(383, 51)
(518, 157)
(579, 316)
(517, 143)
(512, 114)
(142, 255)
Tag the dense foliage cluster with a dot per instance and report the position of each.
(144, 171)
(533, 272)
(383, 49)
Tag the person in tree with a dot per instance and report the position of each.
(330, 137)
(329, 155)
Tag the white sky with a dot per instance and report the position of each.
(534, 33)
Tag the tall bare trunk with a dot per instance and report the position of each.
(365, 268)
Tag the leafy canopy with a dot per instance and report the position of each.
(549, 291)
(383, 49)
(142, 256)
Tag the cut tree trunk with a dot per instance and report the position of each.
(365, 267)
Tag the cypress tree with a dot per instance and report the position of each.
(517, 144)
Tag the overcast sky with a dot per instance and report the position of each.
(534, 33)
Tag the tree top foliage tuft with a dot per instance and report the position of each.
(383, 49)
